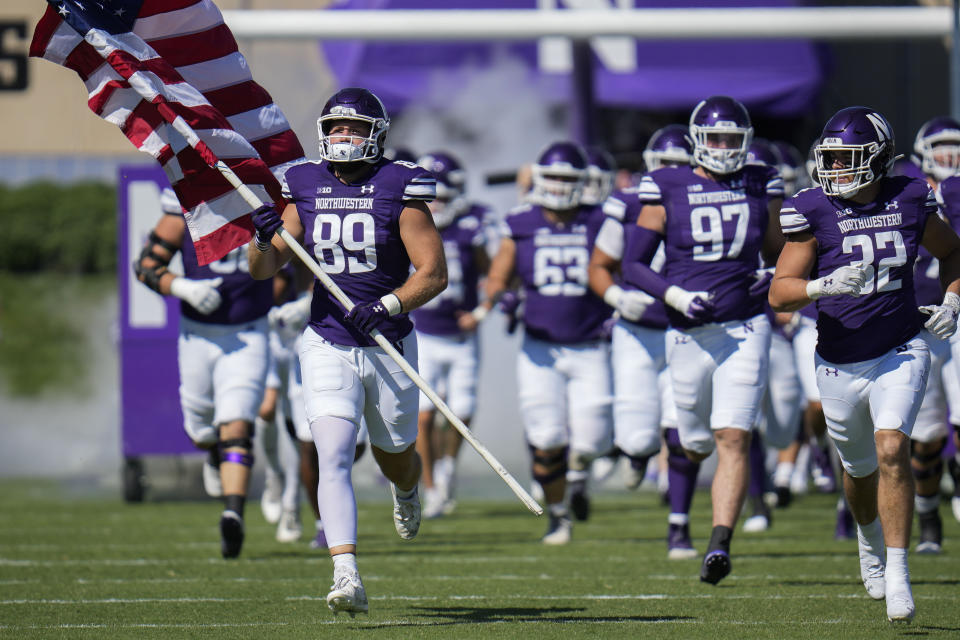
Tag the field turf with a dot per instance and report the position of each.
(77, 564)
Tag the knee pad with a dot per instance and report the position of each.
(556, 464)
(244, 458)
(927, 458)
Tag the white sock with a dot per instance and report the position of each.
(871, 536)
(336, 440)
(344, 563)
(897, 574)
(926, 504)
(268, 440)
(404, 495)
(782, 474)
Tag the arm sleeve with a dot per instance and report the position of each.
(641, 246)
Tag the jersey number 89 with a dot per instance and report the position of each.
(330, 232)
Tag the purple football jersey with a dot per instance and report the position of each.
(714, 232)
(905, 167)
(551, 262)
(461, 239)
(885, 235)
(948, 195)
(353, 231)
(242, 298)
(624, 207)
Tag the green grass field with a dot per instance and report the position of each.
(76, 565)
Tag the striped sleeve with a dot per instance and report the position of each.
(421, 187)
(775, 186)
(649, 191)
(615, 208)
(791, 220)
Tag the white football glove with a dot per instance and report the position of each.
(943, 317)
(288, 319)
(847, 280)
(202, 295)
(630, 304)
(693, 304)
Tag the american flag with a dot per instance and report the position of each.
(146, 63)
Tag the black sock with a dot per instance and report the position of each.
(720, 539)
(234, 503)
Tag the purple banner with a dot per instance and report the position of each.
(778, 78)
(150, 417)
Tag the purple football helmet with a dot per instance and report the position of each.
(855, 150)
(353, 104)
(400, 154)
(558, 176)
(937, 148)
(601, 174)
(450, 176)
(791, 168)
(721, 132)
(449, 203)
(669, 146)
(762, 153)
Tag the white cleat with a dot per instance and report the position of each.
(347, 595)
(900, 607)
(211, 480)
(560, 531)
(270, 503)
(289, 528)
(756, 524)
(406, 513)
(872, 570)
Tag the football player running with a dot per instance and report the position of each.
(643, 399)
(222, 354)
(366, 221)
(563, 368)
(936, 159)
(447, 330)
(714, 220)
(851, 247)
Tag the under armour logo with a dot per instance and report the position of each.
(681, 339)
(827, 371)
(902, 348)
(367, 188)
(828, 281)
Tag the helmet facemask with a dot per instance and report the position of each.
(598, 185)
(351, 148)
(721, 159)
(941, 155)
(854, 166)
(448, 205)
(556, 188)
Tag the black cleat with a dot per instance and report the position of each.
(716, 566)
(231, 534)
(784, 497)
(579, 501)
(931, 532)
